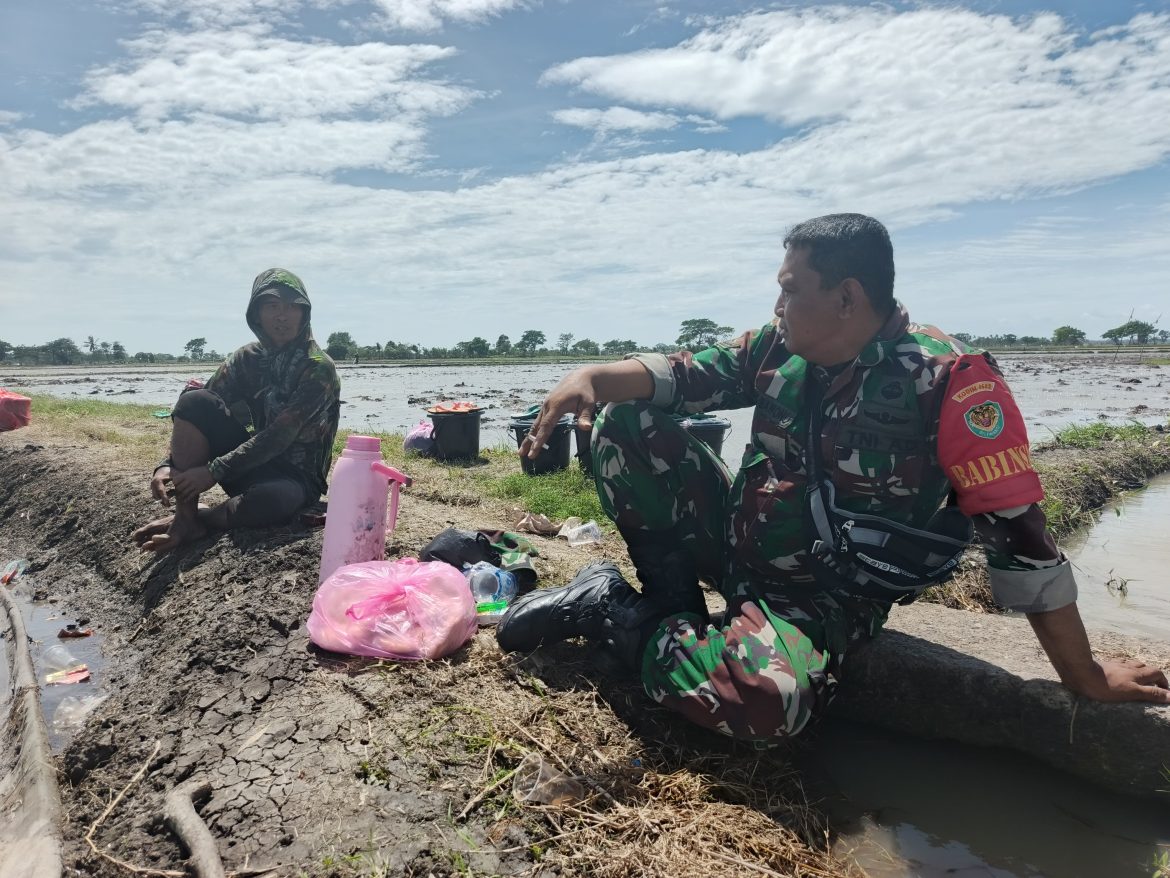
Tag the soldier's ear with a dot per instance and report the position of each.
(851, 297)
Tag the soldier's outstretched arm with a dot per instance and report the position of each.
(1062, 634)
(579, 391)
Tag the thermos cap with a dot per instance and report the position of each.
(363, 443)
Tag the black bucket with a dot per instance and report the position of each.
(551, 459)
(708, 430)
(456, 435)
(584, 452)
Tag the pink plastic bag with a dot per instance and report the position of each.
(404, 609)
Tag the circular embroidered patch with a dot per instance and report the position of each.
(985, 420)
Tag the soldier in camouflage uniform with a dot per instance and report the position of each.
(262, 427)
(907, 416)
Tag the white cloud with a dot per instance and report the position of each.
(939, 105)
(248, 74)
(429, 15)
(414, 15)
(8, 117)
(212, 106)
(616, 119)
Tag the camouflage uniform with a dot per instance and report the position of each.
(777, 658)
(289, 397)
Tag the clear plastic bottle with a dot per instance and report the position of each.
(492, 588)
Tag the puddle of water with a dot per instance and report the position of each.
(42, 621)
(908, 808)
(1122, 563)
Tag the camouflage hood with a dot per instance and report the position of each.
(289, 287)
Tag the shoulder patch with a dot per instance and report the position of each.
(972, 389)
(985, 420)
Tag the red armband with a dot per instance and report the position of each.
(982, 442)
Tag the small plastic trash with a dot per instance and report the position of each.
(71, 712)
(13, 571)
(585, 534)
(538, 783)
(58, 658)
(78, 674)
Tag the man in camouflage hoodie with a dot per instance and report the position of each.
(905, 417)
(262, 427)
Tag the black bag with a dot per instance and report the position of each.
(871, 556)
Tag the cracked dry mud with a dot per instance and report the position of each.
(318, 764)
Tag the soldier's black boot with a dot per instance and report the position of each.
(598, 604)
(667, 572)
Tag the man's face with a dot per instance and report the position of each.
(280, 320)
(809, 315)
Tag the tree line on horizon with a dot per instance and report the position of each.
(694, 334)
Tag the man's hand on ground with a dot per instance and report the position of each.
(190, 483)
(158, 485)
(1122, 680)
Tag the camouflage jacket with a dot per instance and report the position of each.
(880, 427)
(290, 397)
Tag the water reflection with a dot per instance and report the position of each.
(1123, 564)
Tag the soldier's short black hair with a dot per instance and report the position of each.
(842, 245)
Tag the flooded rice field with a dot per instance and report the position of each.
(1123, 564)
(1053, 391)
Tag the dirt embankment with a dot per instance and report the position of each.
(325, 767)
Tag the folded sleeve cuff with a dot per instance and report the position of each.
(1034, 591)
(663, 376)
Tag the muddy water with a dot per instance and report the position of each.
(42, 621)
(1123, 564)
(927, 809)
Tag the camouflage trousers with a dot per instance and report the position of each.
(774, 662)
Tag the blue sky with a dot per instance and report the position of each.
(438, 169)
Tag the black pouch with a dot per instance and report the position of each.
(458, 547)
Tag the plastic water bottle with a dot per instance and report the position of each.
(492, 588)
(358, 520)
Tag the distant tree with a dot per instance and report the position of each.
(105, 346)
(529, 342)
(1067, 335)
(1142, 331)
(964, 337)
(62, 351)
(617, 346)
(1138, 330)
(664, 348)
(5, 350)
(91, 344)
(144, 357)
(1163, 336)
(699, 332)
(194, 348)
(118, 352)
(564, 341)
(503, 345)
(340, 345)
(587, 347)
(476, 348)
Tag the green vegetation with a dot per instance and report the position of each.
(126, 425)
(558, 495)
(1093, 435)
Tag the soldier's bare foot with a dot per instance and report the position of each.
(180, 531)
